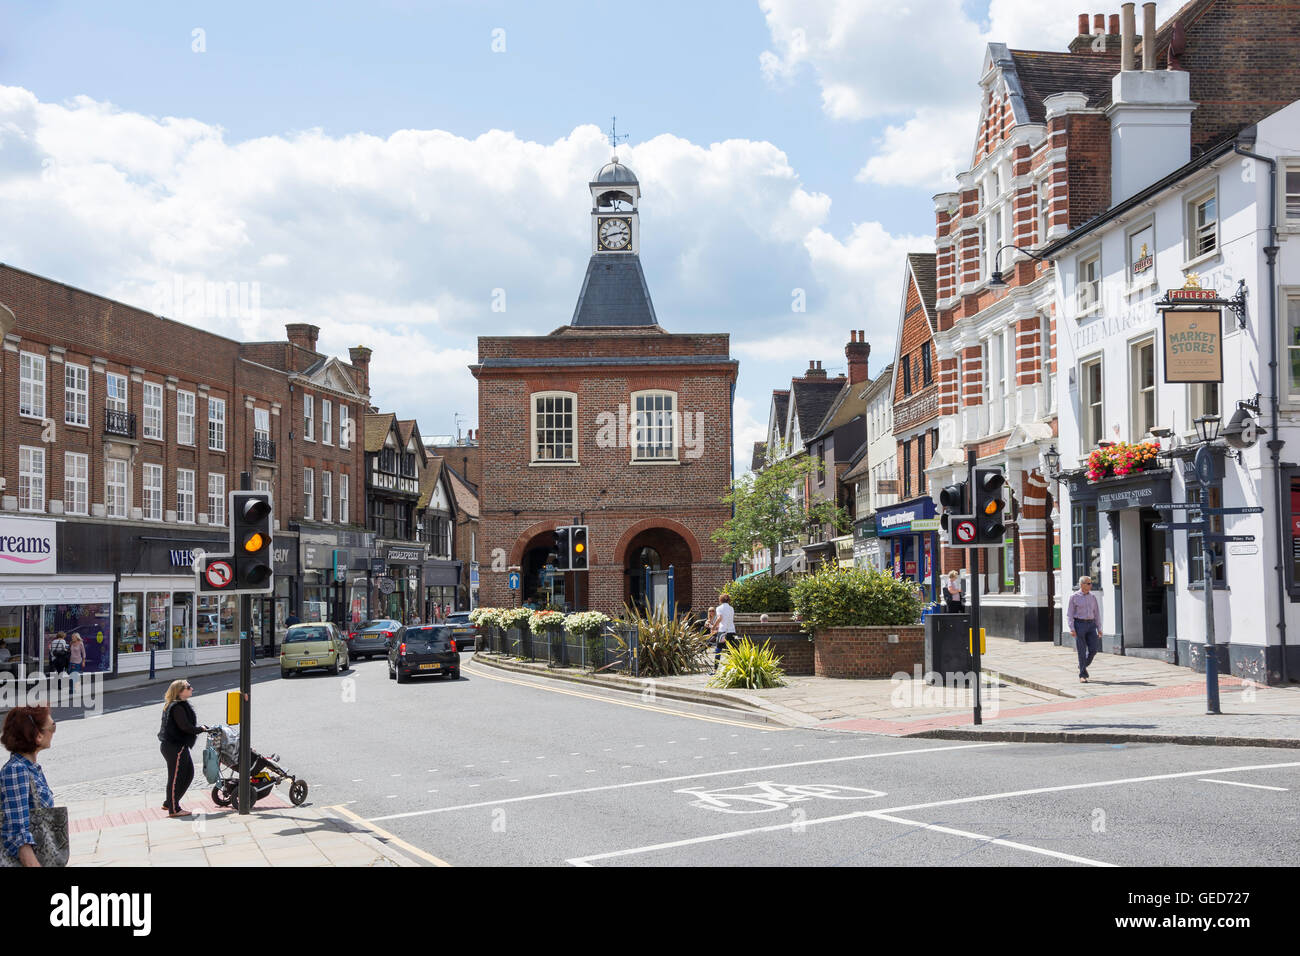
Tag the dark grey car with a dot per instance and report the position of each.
(423, 651)
(371, 638)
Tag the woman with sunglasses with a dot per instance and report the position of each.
(27, 731)
(180, 729)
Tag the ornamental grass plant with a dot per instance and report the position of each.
(745, 664)
(666, 647)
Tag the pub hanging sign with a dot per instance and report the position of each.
(1193, 336)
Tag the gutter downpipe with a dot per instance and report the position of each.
(1275, 443)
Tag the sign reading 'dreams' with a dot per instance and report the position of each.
(28, 546)
(1193, 345)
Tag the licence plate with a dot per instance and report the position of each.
(429, 667)
(306, 663)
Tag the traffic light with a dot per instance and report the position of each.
(989, 503)
(953, 501)
(250, 534)
(578, 548)
(562, 551)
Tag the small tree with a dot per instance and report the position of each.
(765, 513)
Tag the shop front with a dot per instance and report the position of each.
(440, 580)
(909, 542)
(397, 592)
(866, 546)
(333, 575)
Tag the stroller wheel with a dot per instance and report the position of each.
(298, 792)
(219, 796)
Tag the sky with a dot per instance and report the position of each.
(411, 175)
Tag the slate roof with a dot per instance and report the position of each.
(1043, 74)
(466, 497)
(924, 273)
(813, 399)
(781, 397)
(860, 470)
(760, 456)
(377, 427)
(848, 405)
(614, 292)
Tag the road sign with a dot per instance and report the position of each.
(1177, 525)
(1235, 511)
(1172, 506)
(1228, 537)
(219, 573)
(964, 530)
(514, 580)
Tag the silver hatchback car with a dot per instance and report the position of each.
(311, 646)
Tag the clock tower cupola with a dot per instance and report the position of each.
(615, 226)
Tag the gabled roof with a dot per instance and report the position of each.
(925, 275)
(466, 498)
(812, 398)
(614, 292)
(781, 404)
(760, 456)
(429, 479)
(1042, 74)
(329, 372)
(861, 467)
(378, 426)
(848, 405)
(871, 389)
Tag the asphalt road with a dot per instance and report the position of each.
(502, 769)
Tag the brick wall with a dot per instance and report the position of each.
(858, 652)
(787, 642)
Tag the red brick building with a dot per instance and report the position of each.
(612, 422)
(123, 432)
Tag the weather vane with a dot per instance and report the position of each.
(614, 136)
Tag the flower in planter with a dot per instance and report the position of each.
(544, 621)
(1122, 459)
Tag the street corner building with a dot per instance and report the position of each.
(611, 422)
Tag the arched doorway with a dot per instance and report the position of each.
(657, 549)
(534, 585)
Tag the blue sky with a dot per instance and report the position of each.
(380, 169)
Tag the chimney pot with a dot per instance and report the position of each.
(1127, 37)
(1099, 23)
(1083, 24)
(1113, 28)
(1148, 36)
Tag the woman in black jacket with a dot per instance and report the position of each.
(180, 729)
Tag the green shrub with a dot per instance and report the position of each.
(667, 647)
(760, 594)
(745, 664)
(856, 597)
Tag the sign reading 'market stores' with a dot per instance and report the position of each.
(28, 546)
(1193, 345)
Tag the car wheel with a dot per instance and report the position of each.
(453, 675)
(402, 678)
(334, 668)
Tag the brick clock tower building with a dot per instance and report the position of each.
(609, 421)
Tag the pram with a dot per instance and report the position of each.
(222, 751)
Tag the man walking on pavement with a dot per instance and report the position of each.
(1083, 618)
(724, 625)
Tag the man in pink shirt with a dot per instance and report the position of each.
(1083, 618)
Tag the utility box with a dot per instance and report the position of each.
(947, 648)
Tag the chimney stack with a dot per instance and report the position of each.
(857, 352)
(360, 356)
(815, 370)
(1148, 36)
(1095, 38)
(303, 335)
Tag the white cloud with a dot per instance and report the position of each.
(914, 65)
(404, 243)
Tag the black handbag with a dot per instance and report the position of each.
(49, 828)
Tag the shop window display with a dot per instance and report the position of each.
(92, 623)
(130, 616)
(218, 621)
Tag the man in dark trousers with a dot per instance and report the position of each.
(1083, 618)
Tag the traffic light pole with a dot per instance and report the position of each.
(974, 568)
(245, 684)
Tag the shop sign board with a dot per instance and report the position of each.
(28, 546)
(1193, 345)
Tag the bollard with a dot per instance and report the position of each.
(153, 673)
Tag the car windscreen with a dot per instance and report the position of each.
(432, 637)
(295, 634)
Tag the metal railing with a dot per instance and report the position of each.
(263, 448)
(119, 423)
(613, 650)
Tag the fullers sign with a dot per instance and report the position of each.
(1193, 345)
(28, 546)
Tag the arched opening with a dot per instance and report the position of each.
(655, 550)
(535, 585)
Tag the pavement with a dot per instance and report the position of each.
(1031, 694)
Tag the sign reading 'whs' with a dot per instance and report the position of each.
(28, 546)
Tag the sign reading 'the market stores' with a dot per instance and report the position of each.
(28, 546)
(1193, 345)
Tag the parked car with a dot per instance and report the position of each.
(466, 634)
(309, 646)
(424, 650)
(371, 638)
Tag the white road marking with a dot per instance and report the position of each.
(431, 791)
(391, 796)
(698, 776)
(473, 785)
(575, 754)
(358, 780)
(890, 814)
(1238, 783)
(513, 780)
(1086, 861)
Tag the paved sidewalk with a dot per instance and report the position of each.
(1031, 693)
(134, 830)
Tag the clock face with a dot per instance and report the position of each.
(615, 234)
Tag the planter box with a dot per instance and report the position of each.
(773, 617)
(874, 652)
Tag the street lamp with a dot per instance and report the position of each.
(995, 280)
(1207, 428)
(1053, 459)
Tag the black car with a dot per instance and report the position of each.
(424, 650)
(372, 637)
(466, 634)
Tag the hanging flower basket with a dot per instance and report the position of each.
(1122, 460)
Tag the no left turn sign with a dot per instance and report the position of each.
(965, 531)
(219, 574)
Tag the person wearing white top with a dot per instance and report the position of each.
(724, 626)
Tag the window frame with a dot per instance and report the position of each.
(308, 494)
(1290, 167)
(1085, 536)
(326, 495)
(654, 425)
(326, 416)
(1289, 328)
(1149, 278)
(344, 441)
(308, 418)
(33, 478)
(182, 417)
(28, 385)
(1135, 389)
(74, 485)
(156, 433)
(110, 401)
(343, 497)
(146, 489)
(111, 465)
(1089, 258)
(1089, 442)
(217, 500)
(262, 414)
(71, 394)
(1191, 231)
(184, 516)
(216, 424)
(927, 365)
(534, 445)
